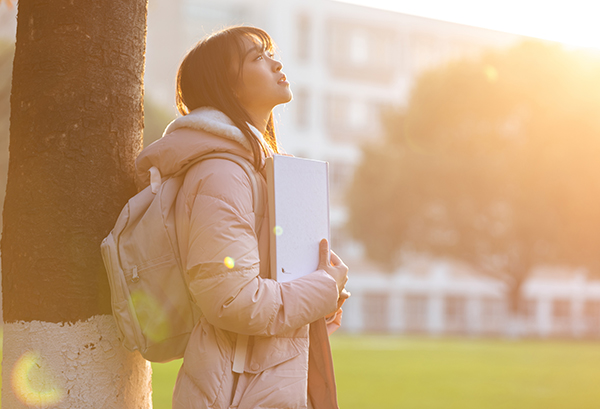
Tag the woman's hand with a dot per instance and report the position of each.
(334, 266)
(333, 322)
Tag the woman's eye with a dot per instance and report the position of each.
(262, 56)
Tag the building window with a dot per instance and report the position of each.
(359, 47)
(376, 308)
(303, 36)
(561, 309)
(493, 315)
(358, 114)
(416, 310)
(361, 52)
(352, 119)
(591, 312)
(561, 315)
(302, 106)
(529, 310)
(340, 175)
(335, 117)
(456, 314)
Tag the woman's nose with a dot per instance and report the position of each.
(277, 66)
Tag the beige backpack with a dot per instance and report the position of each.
(150, 300)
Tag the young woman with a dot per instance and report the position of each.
(258, 343)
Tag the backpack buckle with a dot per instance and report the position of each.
(135, 277)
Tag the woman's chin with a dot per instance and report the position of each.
(289, 97)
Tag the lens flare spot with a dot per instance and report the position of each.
(278, 230)
(33, 382)
(229, 262)
(491, 73)
(153, 320)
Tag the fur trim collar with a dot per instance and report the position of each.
(214, 121)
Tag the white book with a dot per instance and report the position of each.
(298, 214)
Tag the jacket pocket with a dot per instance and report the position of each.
(283, 378)
(268, 352)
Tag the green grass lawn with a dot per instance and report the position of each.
(163, 381)
(383, 372)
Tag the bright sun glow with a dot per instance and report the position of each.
(229, 262)
(34, 383)
(151, 315)
(571, 22)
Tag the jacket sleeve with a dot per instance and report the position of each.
(223, 263)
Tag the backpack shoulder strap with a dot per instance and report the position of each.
(258, 204)
(242, 340)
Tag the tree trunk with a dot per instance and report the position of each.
(76, 124)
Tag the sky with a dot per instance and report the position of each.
(573, 22)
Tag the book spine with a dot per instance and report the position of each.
(270, 168)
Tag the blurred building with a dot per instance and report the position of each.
(444, 298)
(8, 22)
(345, 63)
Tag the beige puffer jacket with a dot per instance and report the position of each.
(215, 220)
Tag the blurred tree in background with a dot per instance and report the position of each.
(494, 162)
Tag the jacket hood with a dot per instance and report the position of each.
(202, 131)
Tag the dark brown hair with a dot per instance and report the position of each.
(206, 78)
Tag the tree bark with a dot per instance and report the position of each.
(76, 127)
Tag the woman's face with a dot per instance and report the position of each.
(262, 85)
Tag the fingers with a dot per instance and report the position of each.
(323, 254)
(339, 264)
(335, 260)
(340, 302)
(338, 318)
(335, 323)
(331, 317)
(345, 294)
(332, 264)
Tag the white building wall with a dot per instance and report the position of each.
(485, 303)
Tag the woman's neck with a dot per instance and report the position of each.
(260, 120)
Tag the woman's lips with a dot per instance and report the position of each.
(283, 81)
